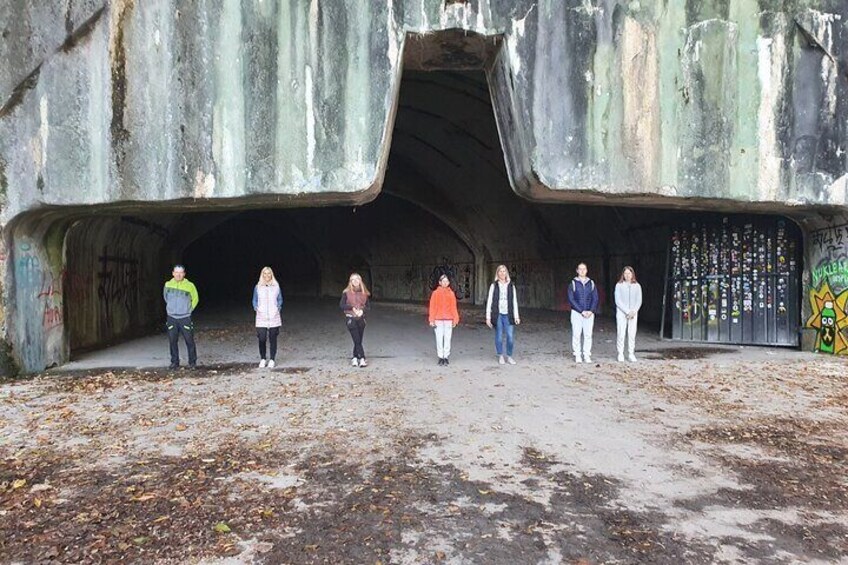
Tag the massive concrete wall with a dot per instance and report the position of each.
(161, 100)
(708, 103)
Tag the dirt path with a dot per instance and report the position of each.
(740, 456)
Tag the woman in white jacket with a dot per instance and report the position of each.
(267, 303)
(628, 300)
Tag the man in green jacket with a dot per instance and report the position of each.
(180, 301)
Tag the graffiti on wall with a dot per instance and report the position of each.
(828, 292)
(830, 319)
(117, 285)
(35, 278)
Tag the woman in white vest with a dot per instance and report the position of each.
(628, 300)
(267, 303)
(502, 305)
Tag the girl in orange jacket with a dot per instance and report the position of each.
(444, 316)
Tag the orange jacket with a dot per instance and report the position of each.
(443, 305)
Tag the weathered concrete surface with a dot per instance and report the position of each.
(713, 104)
(726, 459)
(159, 101)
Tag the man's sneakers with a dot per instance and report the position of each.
(441, 361)
(510, 360)
(632, 358)
(578, 359)
(262, 364)
(587, 359)
(363, 362)
(173, 367)
(354, 362)
(501, 360)
(621, 358)
(271, 363)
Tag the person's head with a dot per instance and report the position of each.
(266, 276)
(502, 273)
(444, 281)
(582, 270)
(628, 275)
(355, 284)
(178, 272)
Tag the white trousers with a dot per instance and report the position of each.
(444, 332)
(623, 325)
(581, 326)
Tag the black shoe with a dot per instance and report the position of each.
(441, 361)
(447, 361)
(173, 367)
(192, 367)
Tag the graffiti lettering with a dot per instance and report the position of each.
(52, 317)
(834, 272)
(117, 283)
(830, 239)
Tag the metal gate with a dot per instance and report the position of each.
(735, 281)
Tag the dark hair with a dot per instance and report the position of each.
(179, 266)
(627, 268)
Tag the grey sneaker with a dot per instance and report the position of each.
(510, 360)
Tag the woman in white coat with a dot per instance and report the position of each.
(628, 300)
(267, 303)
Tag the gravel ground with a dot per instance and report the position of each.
(692, 455)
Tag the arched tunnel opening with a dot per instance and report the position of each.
(446, 202)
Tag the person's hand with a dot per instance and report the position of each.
(632, 314)
(489, 323)
(517, 321)
(453, 324)
(432, 324)
(587, 314)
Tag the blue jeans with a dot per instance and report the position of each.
(500, 326)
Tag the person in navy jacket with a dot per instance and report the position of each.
(583, 298)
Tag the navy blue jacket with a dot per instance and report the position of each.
(583, 296)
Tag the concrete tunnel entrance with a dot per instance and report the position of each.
(446, 203)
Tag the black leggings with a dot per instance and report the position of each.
(271, 335)
(356, 327)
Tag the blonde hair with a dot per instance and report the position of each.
(349, 286)
(505, 269)
(273, 278)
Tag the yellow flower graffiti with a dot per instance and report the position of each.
(829, 319)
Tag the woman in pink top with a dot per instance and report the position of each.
(267, 303)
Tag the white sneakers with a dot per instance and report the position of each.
(354, 362)
(271, 364)
(363, 363)
(504, 360)
(578, 359)
(620, 358)
(262, 364)
(510, 360)
(501, 360)
(587, 359)
(632, 358)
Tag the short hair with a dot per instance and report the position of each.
(582, 263)
(179, 266)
